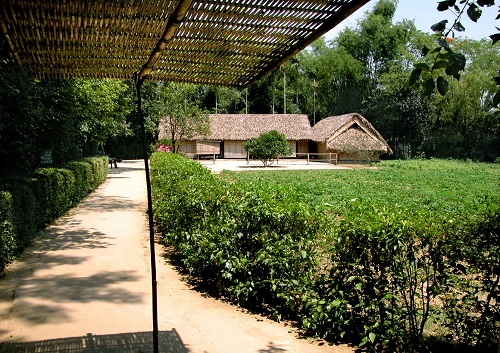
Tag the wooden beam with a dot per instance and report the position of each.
(173, 23)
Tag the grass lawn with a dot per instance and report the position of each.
(449, 188)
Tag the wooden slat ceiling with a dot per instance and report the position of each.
(214, 42)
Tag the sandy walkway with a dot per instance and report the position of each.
(85, 287)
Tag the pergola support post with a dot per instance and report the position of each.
(138, 84)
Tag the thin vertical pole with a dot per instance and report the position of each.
(284, 89)
(314, 98)
(138, 84)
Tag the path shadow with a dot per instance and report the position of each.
(72, 237)
(272, 348)
(109, 287)
(133, 342)
(125, 166)
(98, 287)
(103, 203)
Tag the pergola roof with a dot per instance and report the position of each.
(214, 42)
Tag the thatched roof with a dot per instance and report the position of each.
(349, 131)
(214, 42)
(241, 127)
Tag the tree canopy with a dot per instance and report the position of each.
(268, 147)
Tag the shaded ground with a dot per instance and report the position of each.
(85, 287)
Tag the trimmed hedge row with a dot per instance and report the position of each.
(399, 278)
(27, 204)
(254, 247)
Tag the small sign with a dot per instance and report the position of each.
(46, 158)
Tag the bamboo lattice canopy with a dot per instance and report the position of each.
(214, 42)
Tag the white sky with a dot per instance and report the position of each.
(425, 14)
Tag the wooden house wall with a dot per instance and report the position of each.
(188, 148)
(208, 147)
(234, 149)
(302, 146)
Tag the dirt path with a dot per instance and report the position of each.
(85, 287)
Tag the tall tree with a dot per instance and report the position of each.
(376, 41)
(178, 106)
(102, 107)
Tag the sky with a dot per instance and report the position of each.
(425, 14)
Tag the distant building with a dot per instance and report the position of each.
(351, 136)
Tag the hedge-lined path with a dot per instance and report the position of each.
(85, 287)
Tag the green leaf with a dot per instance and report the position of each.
(372, 337)
(429, 87)
(459, 27)
(442, 85)
(495, 38)
(474, 12)
(351, 279)
(486, 2)
(496, 99)
(415, 74)
(422, 66)
(456, 63)
(440, 26)
(443, 5)
(441, 64)
(425, 50)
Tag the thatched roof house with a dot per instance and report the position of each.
(228, 132)
(241, 127)
(351, 136)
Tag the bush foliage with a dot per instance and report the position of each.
(341, 252)
(29, 203)
(268, 146)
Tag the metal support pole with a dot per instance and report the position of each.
(138, 84)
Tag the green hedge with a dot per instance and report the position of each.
(7, 241)
(254, 247)
(27, 204)
(382, 276)
(99, 169)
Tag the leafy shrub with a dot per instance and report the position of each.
(251, 245)
(268, 146)
(373, 266)
(32, 202)
(27, 217)
(472, 307)
(84, 180)
(99, 169)
(412, 244)
(55, 191)
(7, 240)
